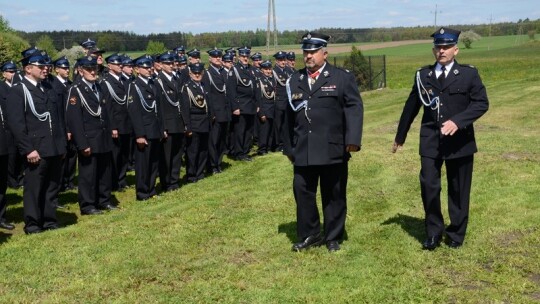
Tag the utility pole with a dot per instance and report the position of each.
(271, 12)
(490, 19)
(435, 13)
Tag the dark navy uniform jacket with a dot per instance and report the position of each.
(220, 106)
(267, 85)
(4, 130)
(463, 99)
(200, 110)
(146, 122)
(88, 130)
(241, 90)
(333, 118)
(48, 138)
(281, 79)
(118, 112)
(174, 117)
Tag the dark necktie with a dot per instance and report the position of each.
(442, 77)
(94, 88)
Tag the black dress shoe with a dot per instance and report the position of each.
(52, 227)
(454, 244)
(310, 241)
(332, 246)
(108, 207)
(34, 231)
(91, 212)
(6, 225)
(431, 242)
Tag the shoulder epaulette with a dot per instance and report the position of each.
(468, 66)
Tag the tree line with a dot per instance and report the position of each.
(129, 41)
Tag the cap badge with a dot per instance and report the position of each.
(308, 36)
(89, 58)
(442, 31)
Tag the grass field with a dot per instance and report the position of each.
(227, 239)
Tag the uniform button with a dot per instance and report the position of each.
(309, 131)
(441, 104)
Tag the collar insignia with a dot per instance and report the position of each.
(326, 73)
(456, 72)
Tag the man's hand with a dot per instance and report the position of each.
(33, 157)
(69, 135)
(115, 134)
(236, 112)
(86, 152)
(141, 143)
(449, 128)
(352, 148)
(396, 146)
(263, 119)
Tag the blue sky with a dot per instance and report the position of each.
(197, 16)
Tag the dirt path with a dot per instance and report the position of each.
(343, 48)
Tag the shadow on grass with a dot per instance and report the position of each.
(289, 229)
(412, 225)
(4, 237)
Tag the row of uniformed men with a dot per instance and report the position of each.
(165, 107)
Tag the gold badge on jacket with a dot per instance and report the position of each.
(297, 96)
(73, 100)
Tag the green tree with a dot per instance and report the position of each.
(155, 47)
(11, 46)
(358, 65)
(469, 37)
(46, 44)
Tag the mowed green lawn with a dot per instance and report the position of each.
(228, 238)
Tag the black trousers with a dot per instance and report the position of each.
(459, 178)
(266, 135)
(217, 144)
(120, 160)
(333, 181)
(170, 162)
(147, 169)
(16, 167)
(243, 134)
(3, 185)
(69, 166)
(94, 181)
(279, 118)
(197, 155)
(41, 184)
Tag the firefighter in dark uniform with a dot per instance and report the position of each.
(215, 80)
(61, 84)
(281, 74)
(8, 70)
(266, 101)
(114, 86)
(291, 62)
(323, 124)
(34, 120)
(198, 123)
(241, 94)
(143, 107)
(453, 97)
(88, 120)
(174, 111)
(16, 161)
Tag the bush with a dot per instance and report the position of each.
(469, 37)
(11, 46)
(358, 65)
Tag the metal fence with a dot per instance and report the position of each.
(371, 76)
